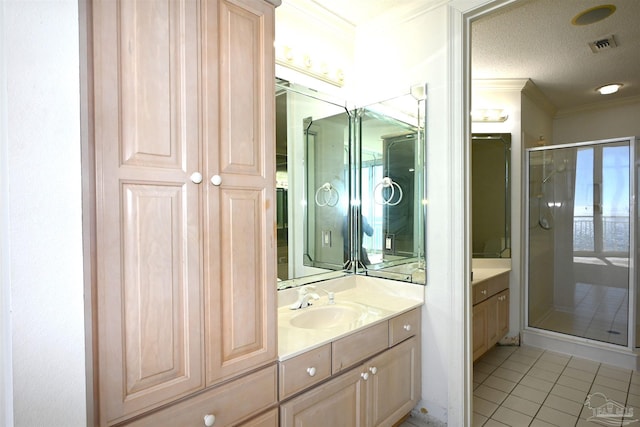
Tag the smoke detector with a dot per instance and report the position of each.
(603, 43)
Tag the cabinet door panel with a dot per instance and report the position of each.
(339, 402)
(492, 321)
(155, 113)
(156, 296)
(240, 247)
(503, 314)
(245, 89)
(150, 335)
(479, 329)
(394, 383)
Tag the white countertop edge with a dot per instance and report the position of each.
(482, 274)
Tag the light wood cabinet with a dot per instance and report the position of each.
(479, 330)
(503, 313)
(268, 419)
(490, 313)
(257, 392)
(185, 198)
(393, 389)
(377, 393)
(374, 386)
(339, 402)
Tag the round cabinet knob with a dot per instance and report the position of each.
(407, 327)
(196, 177)
(311, 371)
(373, 370)
(209, 420)
(216, 180)
(365, 375)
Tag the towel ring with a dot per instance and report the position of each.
(328, 192)
(387, 183)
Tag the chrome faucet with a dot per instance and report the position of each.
(304, 297)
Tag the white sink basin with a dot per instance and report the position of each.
(328, 316)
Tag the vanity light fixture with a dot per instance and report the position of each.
(311, 65)
(609, 89)
(495, 115)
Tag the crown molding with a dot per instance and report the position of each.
(502, 85)
(596, 106)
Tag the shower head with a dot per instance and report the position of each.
(561, 168)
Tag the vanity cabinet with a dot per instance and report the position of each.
(377, 389)
(490, 313)
(220, 405)
(183, 119)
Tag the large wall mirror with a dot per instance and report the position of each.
(350, 188)
(491, 195)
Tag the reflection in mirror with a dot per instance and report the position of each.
(312, 137)
(491, 190)
(391, 135)
(327, 190)
(350, 188)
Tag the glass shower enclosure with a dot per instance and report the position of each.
(582, 242)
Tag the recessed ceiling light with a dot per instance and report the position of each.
(593, 14)
(609, 89)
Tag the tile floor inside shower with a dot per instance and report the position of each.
(598, 312)
(527, 386)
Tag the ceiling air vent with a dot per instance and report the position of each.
(604, 43)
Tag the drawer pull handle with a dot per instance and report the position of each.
(311, 371)
(373, 370)
(365, 375)
(209, 420)
(196, 177)
(483, 292)
(407, 327)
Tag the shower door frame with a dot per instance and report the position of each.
(634, 202)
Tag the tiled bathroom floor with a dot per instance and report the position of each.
(527, 386)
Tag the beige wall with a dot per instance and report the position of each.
(42, 236)
(616, 119)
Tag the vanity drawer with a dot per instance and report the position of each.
(498, 283)
(404, 326)
(268, 419)
(350, 350)
(304, 370)
(257, 391)
(480, 292)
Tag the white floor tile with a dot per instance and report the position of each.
(519, 404)
(510, 417)
(525, 386)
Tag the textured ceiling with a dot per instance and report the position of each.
(535, 39)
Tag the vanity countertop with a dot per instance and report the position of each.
(381, 300)
(482, 274)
